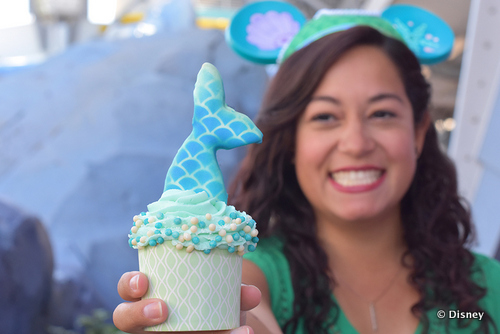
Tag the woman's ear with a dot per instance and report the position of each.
(421, 131)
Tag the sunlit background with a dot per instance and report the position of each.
(93, 98)
(33, 30)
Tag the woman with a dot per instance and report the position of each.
(362, 228)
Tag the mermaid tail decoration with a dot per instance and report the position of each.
(215, 126)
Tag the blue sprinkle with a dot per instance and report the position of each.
(146, 221)
(242, 233)
(152, 242)
(143, 213)
(160, 215)
(230, 249)
(233, 215)
(177, 221)
(251, 223)
(157, 232)
(195, 240)
(160, 240)
(236, 237)
(242, 218)
(255, 239)
(202, 224)
(207, 251)
(175, 234)
(251, 248)
(130, 242)
(213, 243)
(218, 238)
(158, 225)
(138, 239)
(133, 224)
(168, 232)
(221, 222)
(248, 237)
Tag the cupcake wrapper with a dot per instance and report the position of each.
(202, 291)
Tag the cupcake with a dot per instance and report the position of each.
(190, 242)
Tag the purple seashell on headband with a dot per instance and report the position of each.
(271, 30)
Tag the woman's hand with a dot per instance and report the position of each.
(133, 317)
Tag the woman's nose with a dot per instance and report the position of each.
(356, 139)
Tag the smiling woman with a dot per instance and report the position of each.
(362, 228)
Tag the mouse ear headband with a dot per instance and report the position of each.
(268, 32)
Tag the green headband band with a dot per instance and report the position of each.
(331, 21)
(267, 32)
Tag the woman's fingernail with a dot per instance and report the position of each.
(134, 282)
(153, 311)
(241, 330)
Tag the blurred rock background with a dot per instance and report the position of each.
(86, 139)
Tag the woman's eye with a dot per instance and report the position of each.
(324, 117)
(383, 114)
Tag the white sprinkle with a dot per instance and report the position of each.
(194, 221)
(179, 246)
(134, 229)
(194, 229)
(247, 229)
(185, 227)
(222, 233)
(211, 227)
(233, 227)
(227, 220)
(208, 216)
(229, 239)
(254, 233)
(189, 248)
(150, 233)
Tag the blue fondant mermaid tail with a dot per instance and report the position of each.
(215, 126)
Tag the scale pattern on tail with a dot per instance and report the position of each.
(215, 126)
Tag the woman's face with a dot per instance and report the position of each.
(356, 142)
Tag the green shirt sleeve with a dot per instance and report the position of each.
(270, 259)
(487, 274)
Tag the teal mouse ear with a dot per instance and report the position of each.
(259, 30)
(425, 33)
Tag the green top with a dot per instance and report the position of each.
(270, 259)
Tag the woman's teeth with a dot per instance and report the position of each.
(356, 178)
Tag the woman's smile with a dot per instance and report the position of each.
(357, 179)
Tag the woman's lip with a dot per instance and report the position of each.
(358, 188)
(356, 168)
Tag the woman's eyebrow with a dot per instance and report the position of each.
(384, 96)
(325, 98)
(375, 98)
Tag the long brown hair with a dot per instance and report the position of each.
(437, 224)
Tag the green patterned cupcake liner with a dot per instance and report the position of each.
(202, 291)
